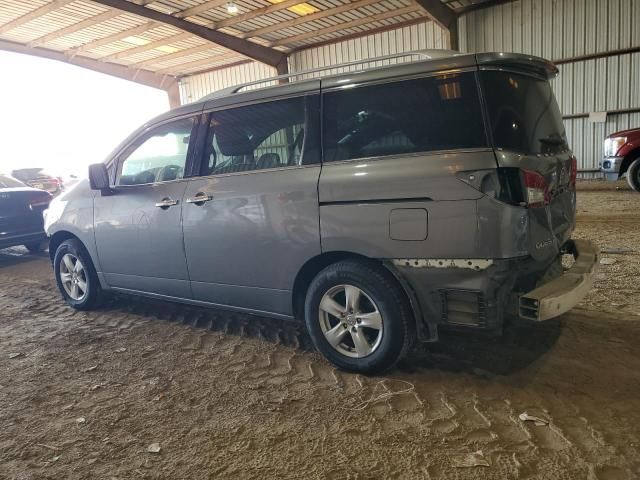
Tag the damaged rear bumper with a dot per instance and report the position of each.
(563, 293)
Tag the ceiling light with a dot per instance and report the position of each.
(167, 49)
(232, 8)
(303, 9)
(135, 40)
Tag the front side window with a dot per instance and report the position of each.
(159, 156)
(426, 114)
(268, 135)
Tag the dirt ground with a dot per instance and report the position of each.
(84, 395)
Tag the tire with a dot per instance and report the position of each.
(381, 302)
(633, 175)
(36, 247)
(79, 286)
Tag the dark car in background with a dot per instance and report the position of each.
(21, 219)
(39, 178)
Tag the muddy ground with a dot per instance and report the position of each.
(232, 396)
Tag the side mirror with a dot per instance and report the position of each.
(98, 177)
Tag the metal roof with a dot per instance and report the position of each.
(151, 40)
(95, 30)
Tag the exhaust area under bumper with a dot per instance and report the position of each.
(562, 294)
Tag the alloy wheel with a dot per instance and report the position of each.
(73, 277)
(350, 321)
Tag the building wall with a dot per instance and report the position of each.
(427, 35)
(197, 86)
(562, 29)
(413, 37)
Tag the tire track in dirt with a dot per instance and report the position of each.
(241, 393)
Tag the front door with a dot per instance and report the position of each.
(251, 220)
(138, 228)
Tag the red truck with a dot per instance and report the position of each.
(622, 155)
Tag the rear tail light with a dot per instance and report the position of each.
(536, 189)
(574, 171)
(38, 201)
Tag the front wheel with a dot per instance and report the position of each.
(76, 276)
(633, 175)
(358, 316)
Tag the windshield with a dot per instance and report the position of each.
(26, 174)
(523, 113)
(8, 182)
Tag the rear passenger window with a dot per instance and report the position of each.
(435, 113)
(268, 135)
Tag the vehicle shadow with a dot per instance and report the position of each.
(290, 333)
(17, 255)
(521, 344)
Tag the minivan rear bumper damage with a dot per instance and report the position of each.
(562, 294)
(477, 293)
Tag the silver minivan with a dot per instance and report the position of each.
(378, 205)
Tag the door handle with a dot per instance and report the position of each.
(200, 198)
(166, 203)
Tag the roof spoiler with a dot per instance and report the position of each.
(536, 65)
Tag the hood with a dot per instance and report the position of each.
(632, 132)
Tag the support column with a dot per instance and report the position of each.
(282, 68)
(173, 92)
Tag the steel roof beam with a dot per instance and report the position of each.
(256, 13)
(444, 16)
(145, 77)
(309, 18)
(27, 17)
(129, 52)
(86, 23)
(205, 7)
(249, 49)
(180, 53)
(343, 26)
(114, 37)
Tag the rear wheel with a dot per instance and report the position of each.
(358, 316)
(633, 175)
(76, 276)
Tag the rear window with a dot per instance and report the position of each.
(523, 113)
(28, 174)
(8, 182)
(426, 114)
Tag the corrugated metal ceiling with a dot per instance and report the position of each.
(66, 26)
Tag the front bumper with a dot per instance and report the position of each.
(610, 167)
(562, 294)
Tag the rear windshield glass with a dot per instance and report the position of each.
(426, 114)
(8, 182)
(523, 113)
(27, 174)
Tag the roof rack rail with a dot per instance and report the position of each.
(427, 54)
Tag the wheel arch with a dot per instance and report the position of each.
(313, 266)
(307, 273)
(628, 160)
(56, 239)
